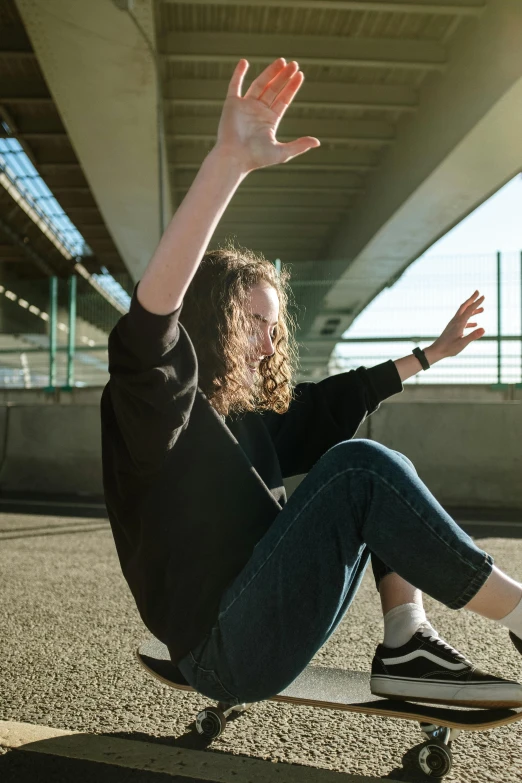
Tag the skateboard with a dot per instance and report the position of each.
(340, 689)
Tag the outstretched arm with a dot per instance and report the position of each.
(246, 140)
(452, 340)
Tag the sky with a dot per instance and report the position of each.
(430, 291)
(495, 225)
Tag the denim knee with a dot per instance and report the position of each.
(368, 450)
(356, 448)
(363, 451)
(406, 460)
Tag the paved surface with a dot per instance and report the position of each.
(91, 755)
(69, 629)
(18, 767)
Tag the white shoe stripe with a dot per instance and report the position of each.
(509, 693)
(455, 667)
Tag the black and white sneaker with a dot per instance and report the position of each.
(428, 669)
(517, 641)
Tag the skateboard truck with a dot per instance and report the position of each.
(340, 689)
(435, 757)
(210, 723)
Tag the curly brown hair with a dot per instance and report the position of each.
(216, 315)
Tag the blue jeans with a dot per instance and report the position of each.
(359, 499)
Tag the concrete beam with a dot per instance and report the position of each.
(275, 197)
(297, 167)
(23, 88)
(444, 8)
(202, 46)
(279, 214)
(26, 248)
(337, 159)
(7, 117)
(17, 56)
(382, 97)
(463, 143)
(291, 242)
(357, 131)
(60, 136)
(290, 181)
(208, 138)
(261, 226)
(101, 75)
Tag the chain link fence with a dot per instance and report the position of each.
(38, 348)
(416, 309)
(53, 334)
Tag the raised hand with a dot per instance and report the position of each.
(248, 125)
(453, 340)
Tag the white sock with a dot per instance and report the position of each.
(513, 620)
(401, 623)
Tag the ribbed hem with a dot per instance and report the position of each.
(479, 579)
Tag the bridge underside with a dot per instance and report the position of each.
(417, 105)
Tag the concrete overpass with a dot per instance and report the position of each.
(418, 105)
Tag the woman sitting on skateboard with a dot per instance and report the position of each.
(201, 425)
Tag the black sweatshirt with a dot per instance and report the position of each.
(188, 494)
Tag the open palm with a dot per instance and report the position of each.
(453, 339)
(248, 125)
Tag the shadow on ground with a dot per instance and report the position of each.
(88, 757)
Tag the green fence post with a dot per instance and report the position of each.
(520, 384)
(499, 319)
(53, 319)
(72, 333)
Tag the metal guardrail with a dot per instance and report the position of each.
(503, 365)
(427, 294)
(480, 369)
(61, 340)
(58, 339)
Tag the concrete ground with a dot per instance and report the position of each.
(68, 633)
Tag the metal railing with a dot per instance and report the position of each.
(501, 366)
(427, 297)
(54, 334)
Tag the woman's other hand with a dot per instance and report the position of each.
(248, 125)
(453, 340)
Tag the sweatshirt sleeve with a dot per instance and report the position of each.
(326, 413)
(153, 381)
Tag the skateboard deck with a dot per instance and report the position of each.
(341, 689)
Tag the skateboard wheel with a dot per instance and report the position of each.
(210, 723)
(435, 759)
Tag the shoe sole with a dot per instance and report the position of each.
(440, 692)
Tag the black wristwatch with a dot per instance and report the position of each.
(421, 356)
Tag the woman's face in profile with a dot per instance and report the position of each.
(264, 309)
